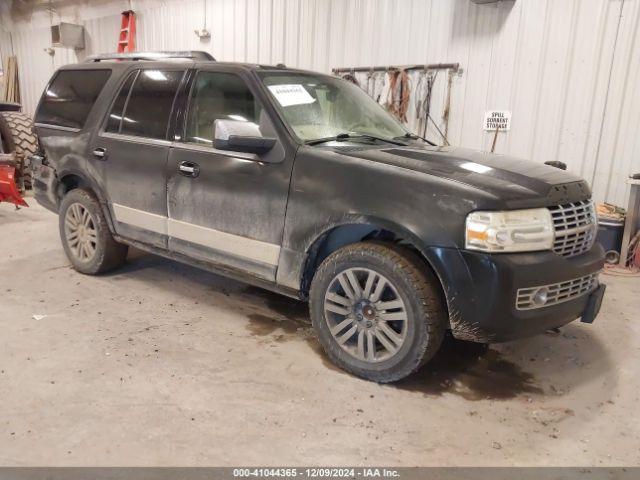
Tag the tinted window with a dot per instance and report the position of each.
(68, 100)
(149, 106)
(218, 96)
(115, 116)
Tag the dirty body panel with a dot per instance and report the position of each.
(67, 151)
(421, 194)
(268, 219)
(245, 194)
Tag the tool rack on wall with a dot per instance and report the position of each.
(407, 91)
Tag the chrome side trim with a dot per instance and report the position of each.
(58, 127)
(140, 218)
(205, 149)
(237, 245)
(557, 292)
(134, 139)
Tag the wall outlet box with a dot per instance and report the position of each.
(67, 35)
(203, 33)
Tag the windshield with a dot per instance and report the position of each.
(318, 106)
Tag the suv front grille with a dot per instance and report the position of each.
(529, 298)
(575, 227)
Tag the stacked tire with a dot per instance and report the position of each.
(18, 136)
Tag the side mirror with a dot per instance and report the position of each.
(239, 136)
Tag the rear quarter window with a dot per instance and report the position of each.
(70, 97)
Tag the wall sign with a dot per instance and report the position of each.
(497, 119)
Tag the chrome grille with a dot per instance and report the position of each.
(556, 293)
(575, 227)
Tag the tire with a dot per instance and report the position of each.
(409, 291)
(92, 250)
(22, 139)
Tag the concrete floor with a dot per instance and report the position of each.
(163, 364)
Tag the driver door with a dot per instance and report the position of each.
(224, 207)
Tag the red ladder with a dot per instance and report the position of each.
(127, 39)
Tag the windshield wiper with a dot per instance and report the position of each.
(341, 137)
(413, 136)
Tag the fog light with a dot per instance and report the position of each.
(539, 298)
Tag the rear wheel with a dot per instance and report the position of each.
(85, 234)
(377, 310)
(21, 140)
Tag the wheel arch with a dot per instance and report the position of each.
(71, 179)
(355, 230)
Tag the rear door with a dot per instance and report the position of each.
(131, 152)
(231, 209)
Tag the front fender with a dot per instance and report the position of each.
(294, 263)
(375, 222)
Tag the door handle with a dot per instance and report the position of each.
(189, 169)
(100, 153)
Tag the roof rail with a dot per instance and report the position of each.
(133, 56)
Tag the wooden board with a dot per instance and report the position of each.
(11, 90)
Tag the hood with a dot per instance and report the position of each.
(507, 178)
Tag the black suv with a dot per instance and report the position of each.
(300, 183)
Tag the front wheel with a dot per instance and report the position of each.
(377, 310)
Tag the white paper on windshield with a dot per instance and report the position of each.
(293, 94)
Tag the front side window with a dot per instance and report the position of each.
(70, 97)
(147, 111)
(318, 106)
(218, 96)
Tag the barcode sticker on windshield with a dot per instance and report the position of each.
(293, 94)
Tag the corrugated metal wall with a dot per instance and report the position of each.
(567, 69)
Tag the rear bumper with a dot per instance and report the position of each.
(481, 291)
(45, 185)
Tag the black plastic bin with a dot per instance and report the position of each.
(610, 237)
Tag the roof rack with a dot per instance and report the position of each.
(134, 56)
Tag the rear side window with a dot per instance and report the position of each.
(115, 116)
(146, 113)
(70, 97)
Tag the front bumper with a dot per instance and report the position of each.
(481, 291)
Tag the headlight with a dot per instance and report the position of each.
(510, 231)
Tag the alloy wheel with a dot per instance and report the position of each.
(365, 314)
(80, 232)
